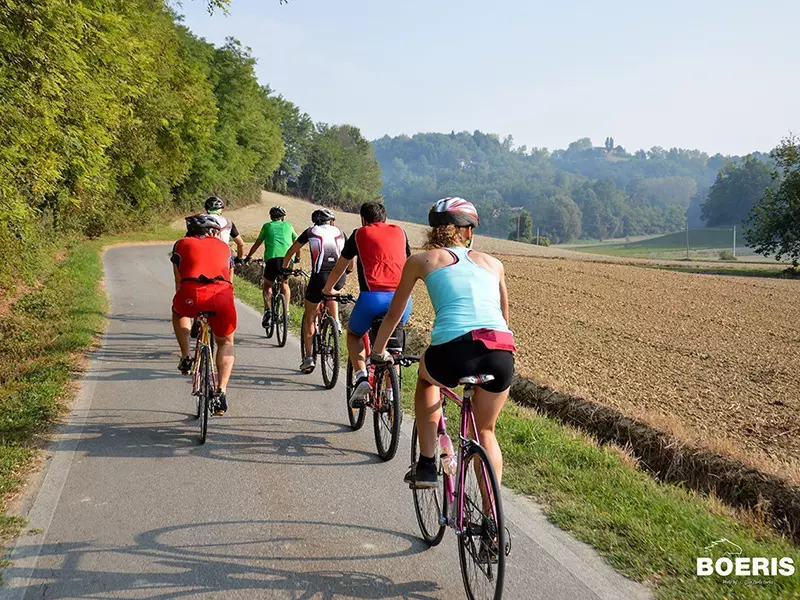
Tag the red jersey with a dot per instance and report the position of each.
(382, 250)
(202, 259)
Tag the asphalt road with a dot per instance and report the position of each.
(283, 501)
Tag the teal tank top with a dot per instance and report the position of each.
(465, 296)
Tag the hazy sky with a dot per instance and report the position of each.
(708, 74)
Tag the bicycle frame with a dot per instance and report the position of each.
(454, 484)
(203, 341)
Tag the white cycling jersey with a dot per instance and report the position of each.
(228, 230)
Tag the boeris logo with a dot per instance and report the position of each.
(724, 557)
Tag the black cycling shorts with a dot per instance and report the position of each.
(317, 282)
(272, 268)
(449, 362)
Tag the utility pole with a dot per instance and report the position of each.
(734, 241)
(519, 216)
(687, 240)
(537, 236)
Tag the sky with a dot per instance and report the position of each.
(719, 76)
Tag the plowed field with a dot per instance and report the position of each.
(715, 360)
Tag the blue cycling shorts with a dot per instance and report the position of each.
(369, 306)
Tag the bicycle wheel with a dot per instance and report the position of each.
(429, 504)
(281, 320)
(303, 336)
(206, 393)
(270, 329)
(482, 544)
(387, 414)
(354, 415)
(329, 352)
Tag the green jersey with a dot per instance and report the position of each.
(277, 237)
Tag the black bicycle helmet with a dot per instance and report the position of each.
(322, 216)
(200, 224)
(453, 211)
(214, 203)
(276, 212)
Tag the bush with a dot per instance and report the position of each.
(726, 255)
(543, 241)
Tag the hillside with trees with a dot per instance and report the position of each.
(113, 113)
(580, 192)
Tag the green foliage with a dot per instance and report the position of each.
(112, 113)
(726, 255)
(616, 193)
(773, 227)
(521, 227)
(341, 169)
(736, 191)
(297, 130)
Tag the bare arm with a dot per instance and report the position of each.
(336, 275)
(411, 272)
(294, 250)
(239, 246)
(253, 248)
(177, 275)
(503, 294)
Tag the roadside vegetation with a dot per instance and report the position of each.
(648, 530)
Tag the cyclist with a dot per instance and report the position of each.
(325, 242)
(470, 330)
(214, 206)
(382, 250)
(277, 236)
(203, 270)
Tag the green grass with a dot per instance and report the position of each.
(670, 244)
(733, 272)
(649, 530)
(42, 338)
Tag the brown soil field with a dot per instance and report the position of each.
(714, 360)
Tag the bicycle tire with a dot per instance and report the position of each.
(355, 416)
(489, 578)
(329, 353)
(430, 505)
(387, 414)
(302, 336)
(281, 320)
(207, 392)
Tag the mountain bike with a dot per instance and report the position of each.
(204, 373)
(384, 394)
(470, 500)
(325, 341)
(279, 319)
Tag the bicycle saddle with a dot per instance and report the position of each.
(476, 379)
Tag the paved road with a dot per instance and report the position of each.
(284, 501)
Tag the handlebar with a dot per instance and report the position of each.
(340, 298)
(406, 360)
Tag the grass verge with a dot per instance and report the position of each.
(651, 531)
(42, 338)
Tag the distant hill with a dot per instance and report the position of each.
(582, 191)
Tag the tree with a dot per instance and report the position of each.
(773, 227)
(562, 219)
(736, 191)
(341, 169)
(297, 129)
(521, 227)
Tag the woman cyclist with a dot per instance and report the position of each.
(470, 331)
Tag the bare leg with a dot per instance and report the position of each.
(356, 350)
(225, 357)
(428, 411)
(309, 327)
(486, 407)
(333, 308)
(287, 293)
(266, 293)
(181, 326)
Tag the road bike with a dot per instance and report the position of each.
(204, 372)
(468, 500)
(384, 393)
(326, 339)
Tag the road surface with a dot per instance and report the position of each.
(283, 501)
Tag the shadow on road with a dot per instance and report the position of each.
(263, 440)
(257, 559)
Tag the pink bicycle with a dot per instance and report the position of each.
(469, 501)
